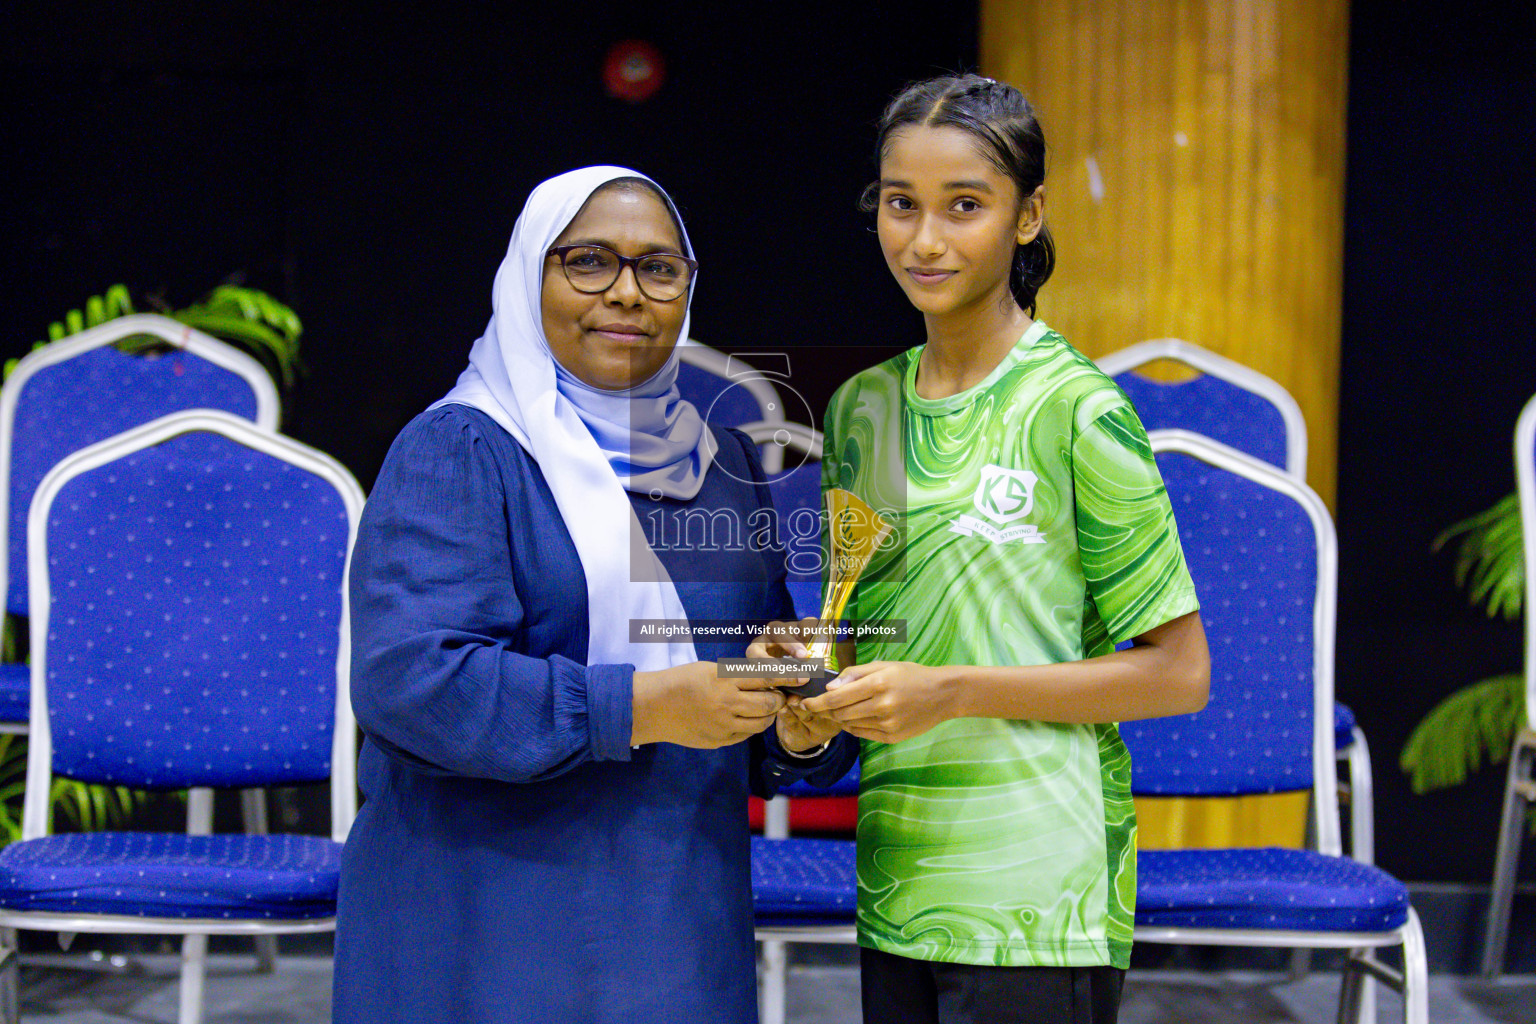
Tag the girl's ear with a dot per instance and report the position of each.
(1031, 216)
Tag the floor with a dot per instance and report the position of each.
(144, 992)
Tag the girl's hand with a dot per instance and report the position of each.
(889, 701)
(800, 730)
(784, 640)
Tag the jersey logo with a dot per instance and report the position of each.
(1003, 496)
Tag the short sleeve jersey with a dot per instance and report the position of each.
(1032, 527)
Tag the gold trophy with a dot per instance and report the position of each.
(855, 532)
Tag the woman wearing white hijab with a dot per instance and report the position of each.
(554, 827)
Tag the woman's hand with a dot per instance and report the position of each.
(784, 640)
(888, 701)
(690, 705)
(800, 730)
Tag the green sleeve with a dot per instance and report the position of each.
(1127, 539)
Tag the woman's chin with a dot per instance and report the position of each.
(619, 373)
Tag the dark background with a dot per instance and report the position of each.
(367, 169)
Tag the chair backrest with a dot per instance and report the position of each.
(1238, 407)
(783, 442)
(1262, 551)
(728, 391)
(1525, 480)
(797, 502)
(80, 390)
(188, 585)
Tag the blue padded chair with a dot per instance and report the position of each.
(189, 605)
(1228, 402)
(1244, 409)
(1520, 787)
(728, 391)
(80, 390)
(1262, 551)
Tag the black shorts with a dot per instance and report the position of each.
(899, 990)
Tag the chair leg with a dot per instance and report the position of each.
(10, 977)
(1507, 860)
(199, 811)
(1362, 838)
(194, 963)
(1357, 995)
(1415, 973)
(1349, 992)
(773, 989)
(1367, 1001)
(253, 811)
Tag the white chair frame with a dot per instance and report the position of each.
(173, 333)
(268, 409)
(35, 804)
(738, 371)
(784, 434)
(1520, 784)
(1206, 361)
(1413, 980)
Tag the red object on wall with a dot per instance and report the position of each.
(633, 70)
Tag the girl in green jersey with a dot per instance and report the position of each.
(996, 833)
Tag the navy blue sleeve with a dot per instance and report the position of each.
(441, 677)
(779, 769)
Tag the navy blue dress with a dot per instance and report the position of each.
(515, 859)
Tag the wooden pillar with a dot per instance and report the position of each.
(1195, 187)
(1195, 179)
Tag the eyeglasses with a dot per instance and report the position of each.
(661, 276)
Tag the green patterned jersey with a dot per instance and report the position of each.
(1032, 528)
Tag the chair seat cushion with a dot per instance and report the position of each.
(167, 874)
(1268, 888)
(15, 692)
(810, 881)
(1343, 726)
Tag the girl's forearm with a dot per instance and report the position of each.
(1166, 673)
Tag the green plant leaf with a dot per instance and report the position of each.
(110, 305)
(1475, 723)
(247, 317)
(253, 304)
(252, 334)
(85, 805)
(1490, 560)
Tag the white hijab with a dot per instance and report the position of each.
(592, 445)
